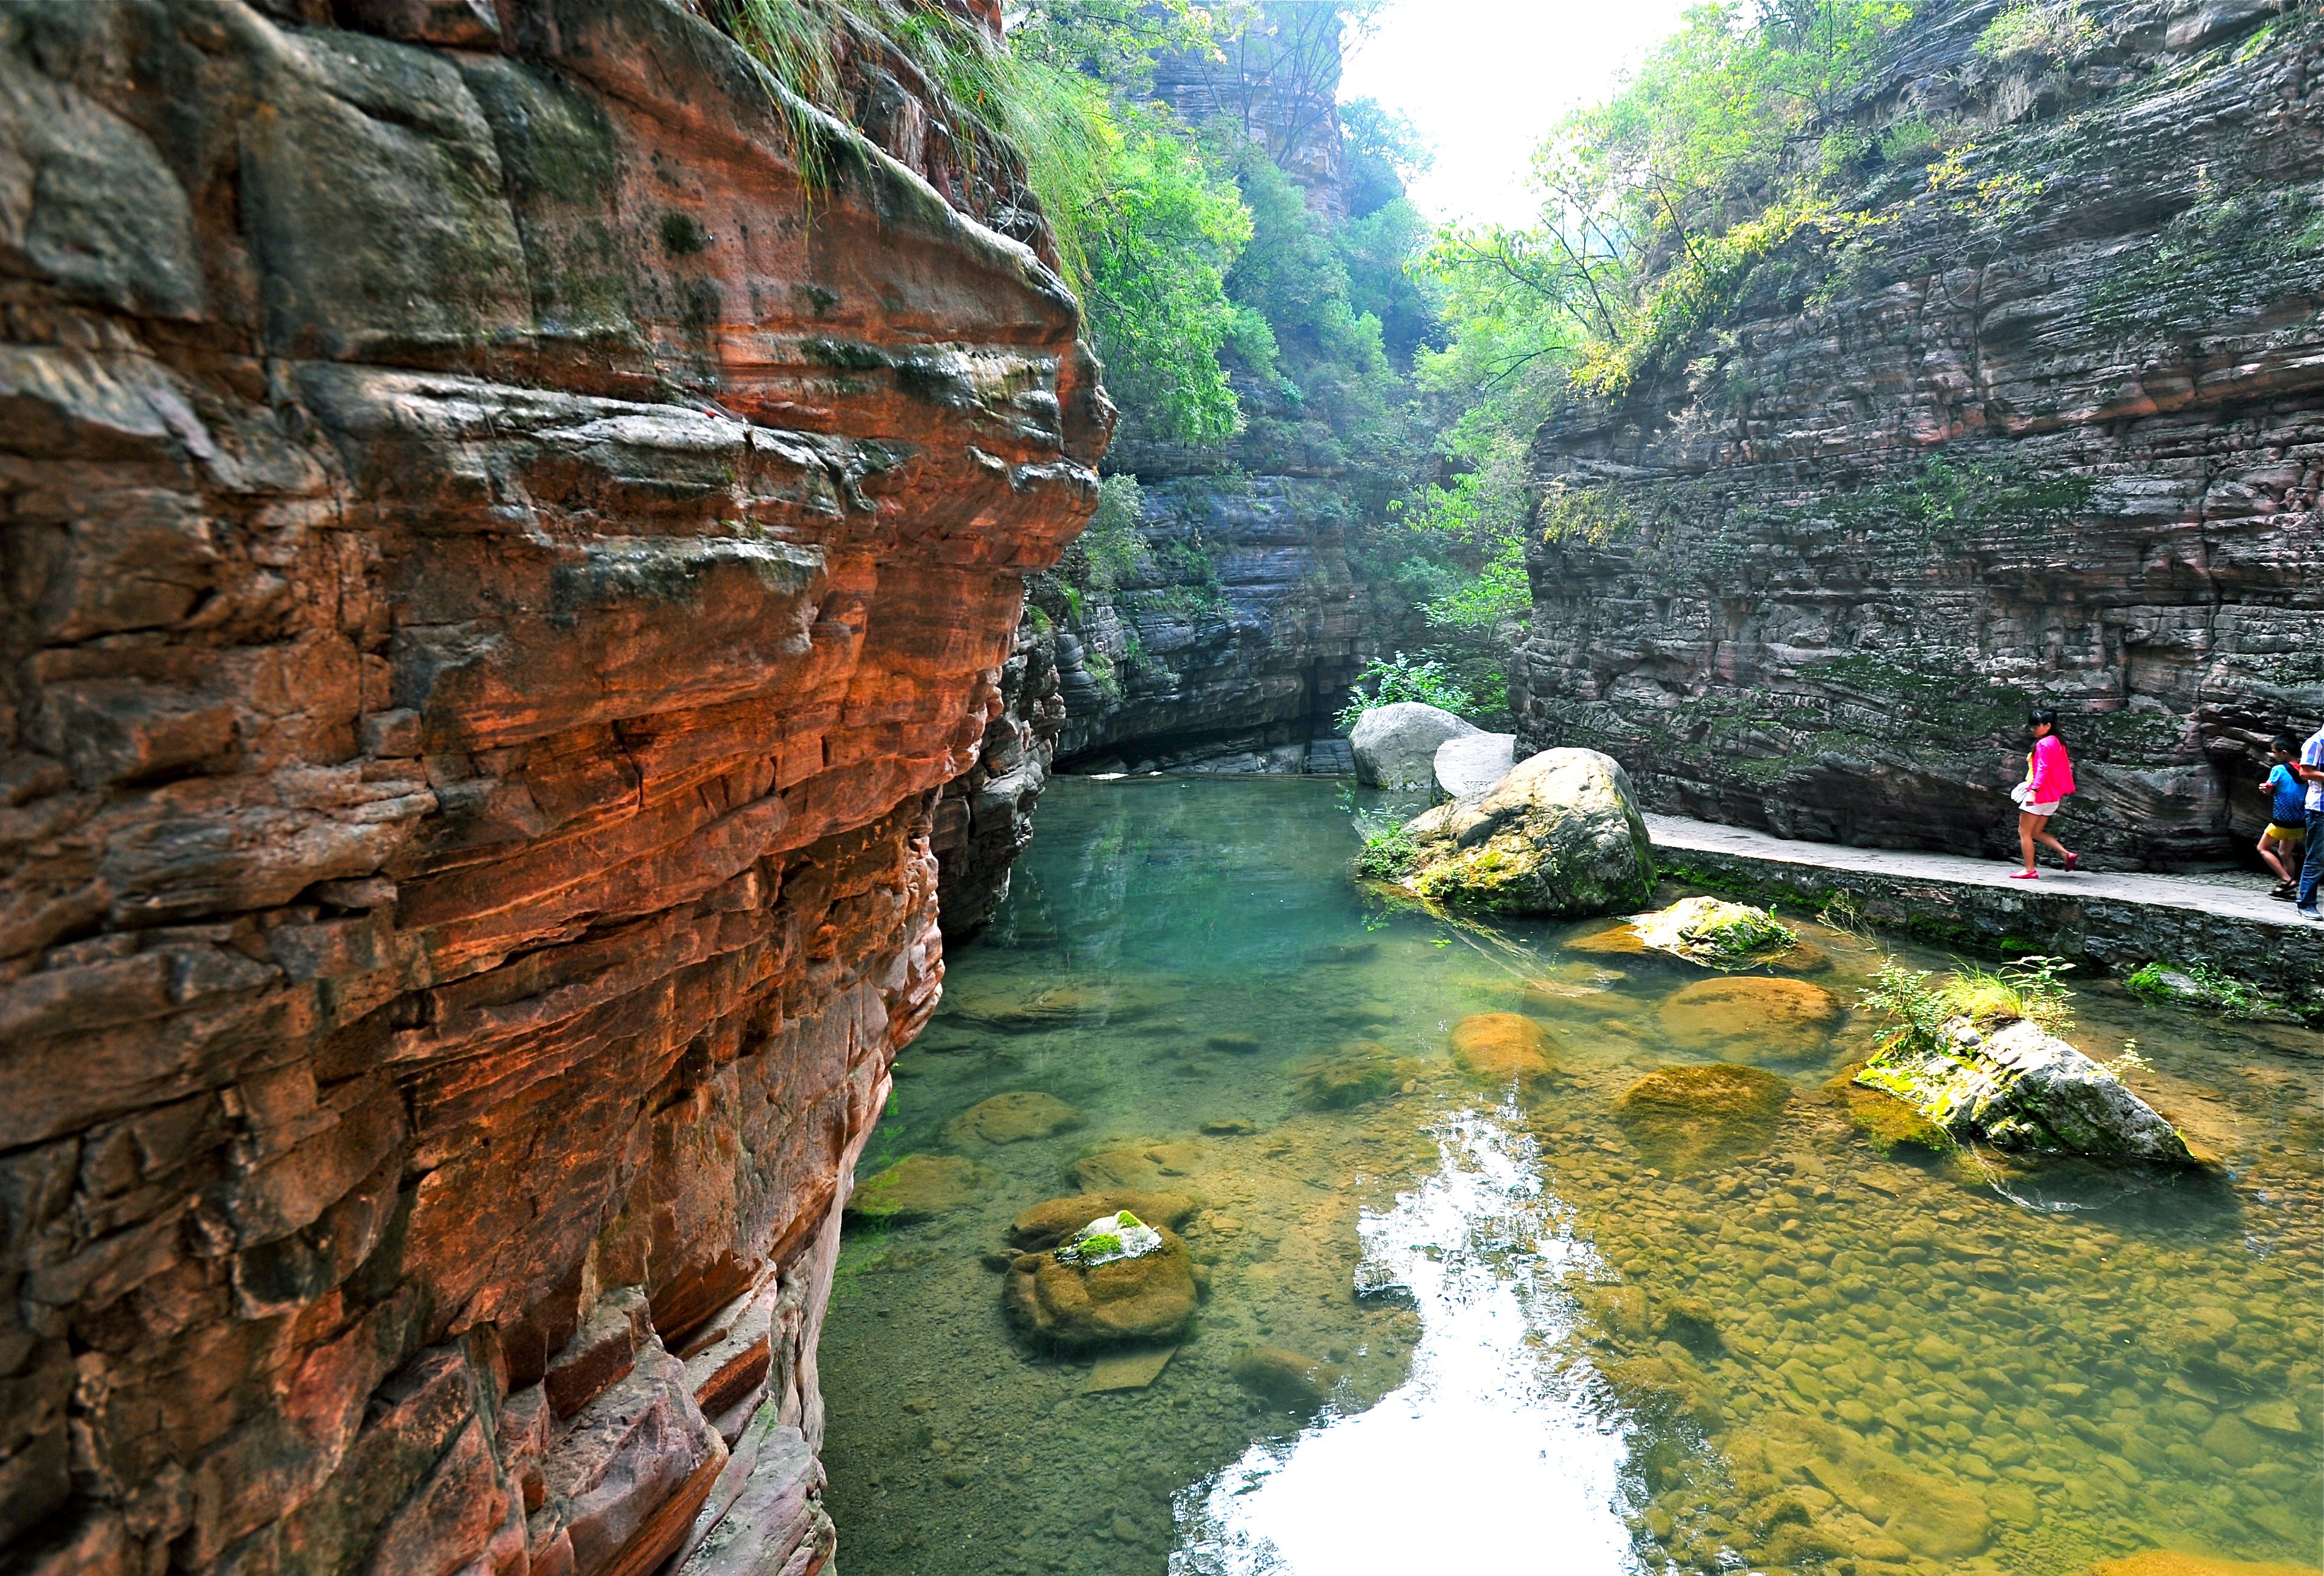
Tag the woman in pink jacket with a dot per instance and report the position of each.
(2049, 778)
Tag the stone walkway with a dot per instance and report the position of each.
(2229, 895)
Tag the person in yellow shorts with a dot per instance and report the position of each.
(2281, 845)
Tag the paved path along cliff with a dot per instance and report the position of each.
(496, 581)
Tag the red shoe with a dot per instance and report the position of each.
(2073, 863)
(2025, 875)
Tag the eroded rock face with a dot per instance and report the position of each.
(495, 592)
(2050, 449)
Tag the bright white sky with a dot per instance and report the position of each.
(1484, 80)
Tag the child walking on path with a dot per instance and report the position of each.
(2312, 869)
(2049, 778)
(2281, 845)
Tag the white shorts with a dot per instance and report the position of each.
(2049, 809)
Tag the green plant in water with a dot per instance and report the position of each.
(1387, 854)
(1918, 1011)
(2204, 986)
(1742, 937)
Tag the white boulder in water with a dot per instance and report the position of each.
(1396, 745)
(1468, 764)
(2022, 1088)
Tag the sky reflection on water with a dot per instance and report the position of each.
(1487, 1458)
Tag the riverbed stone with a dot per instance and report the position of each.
(1071, 1307)
(1289, 1379)
(1467, 764)
(917, 1187)
(1693, 1117)
(1012, 1118)
(1358, 1072)
(1741, 1017)
(2019, 1087)
(1559, 836)
(1048, 1223)
(1150, 1167)
(1501, 1047)
(1396, 745)
(2175, 1562)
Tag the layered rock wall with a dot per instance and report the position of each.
(2052, 431)
(498, 579)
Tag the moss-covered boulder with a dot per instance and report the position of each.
(919, 1187)
(2020, 1087)
(1503, 1047)
(1887, 1123)
(1694, 1117)
(1721, 935)
(1744, 1017)
(1559, 835)
(1072, 1306)
(1048, 1223)
(1012, 1118)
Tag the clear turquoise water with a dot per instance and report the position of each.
(1551, 1350)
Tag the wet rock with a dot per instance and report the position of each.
(1559, 835)
(1690, 1118)
(1616, 941)
(1396, 745)
(1467, 764)
(1286, 1378)
(1013, 1118)
(1073, 1307)
(1932, 1517)
(1721, 935)
(1150, 1167)
(1361, 1071)
(919, 1187)
(1735, 1017)
(2021, 1088)
(1887, 1122)
(1229, 1127)
(1502, 1048)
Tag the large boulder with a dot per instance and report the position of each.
(1396, 745)
(2019, 1087)
(1559, 835)
(1072, 1306)
(1699, 1118)
(1468, 764)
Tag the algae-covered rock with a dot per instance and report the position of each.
(1735, 1017)
(1688, 1117)
(1011, 1119)
(1150, 1167)
(1287, 1379)
(1502, 1047)
(1077, 1307)
(2020, 1087)
(919, 1187)
(1559, 835)
(1396, 745)
(1358, 1072)
(1047, 1224)
(1721, 935)
(1887, 1122)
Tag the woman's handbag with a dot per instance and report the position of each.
(2023, 794)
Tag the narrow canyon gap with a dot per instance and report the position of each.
(502, 571)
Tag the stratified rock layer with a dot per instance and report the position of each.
(496, 583)
(2048, 434)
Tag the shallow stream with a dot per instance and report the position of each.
(1541, 1337)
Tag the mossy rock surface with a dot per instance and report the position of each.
(1718, 934)
(1501, 1047)
(1744, 1017)
(1561, 836)
(1887, 1122)
(1616, 941)
(1012, 1118)
(919, 1187)
(1047, 1224)
(1693, 1117)
(1357, 1072)
(1070, 1307)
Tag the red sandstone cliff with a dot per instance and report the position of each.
(496, 581)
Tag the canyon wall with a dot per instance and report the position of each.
(2050, 430)
(499, 574)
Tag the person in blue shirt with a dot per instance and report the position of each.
(2312, 869)
(2281, 845)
